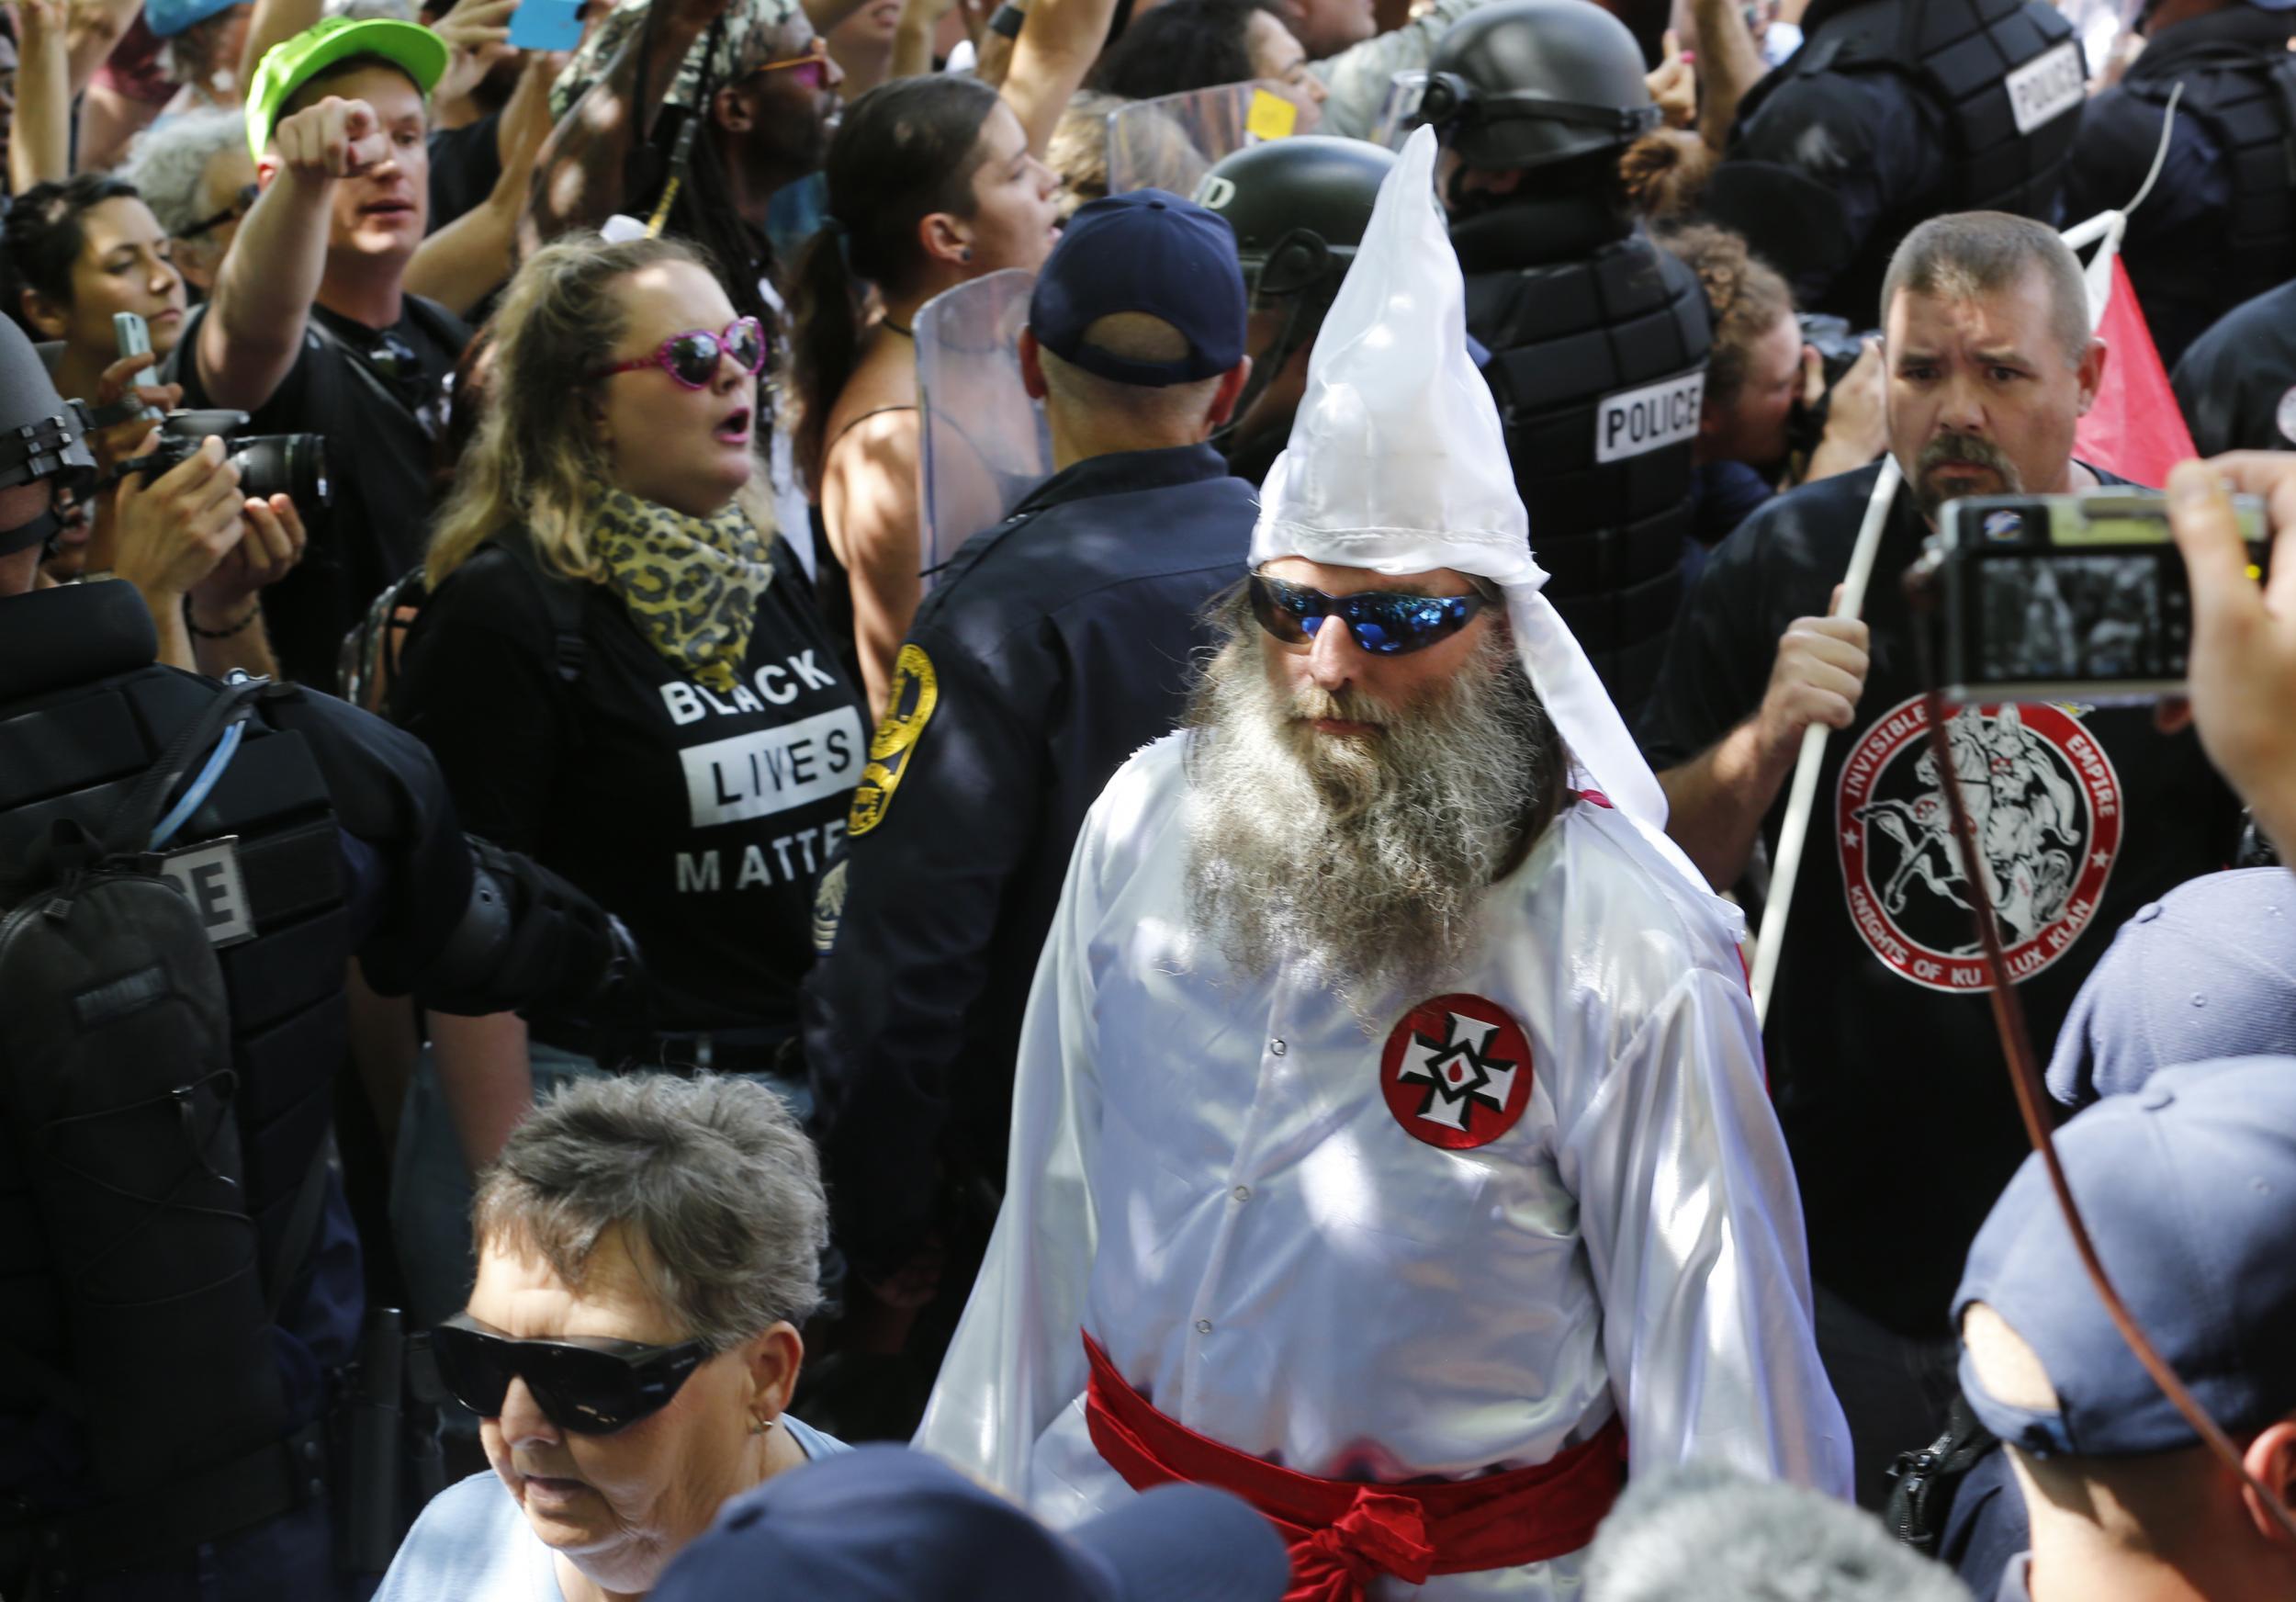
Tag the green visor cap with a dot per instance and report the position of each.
(288, 67)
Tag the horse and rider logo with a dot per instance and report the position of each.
(2046, 807)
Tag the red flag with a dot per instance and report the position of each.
(2135, 428)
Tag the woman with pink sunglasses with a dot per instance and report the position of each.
(620, 670)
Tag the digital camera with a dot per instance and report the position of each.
(294, 465)
(2067, 597)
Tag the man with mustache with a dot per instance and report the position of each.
(1882, 1051)
(1390, 1115)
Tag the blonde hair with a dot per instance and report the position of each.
(533, 463)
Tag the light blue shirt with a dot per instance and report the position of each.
(473, 1544)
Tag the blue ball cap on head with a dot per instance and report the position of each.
(1151, 252)
(2188, 1186)
(884, 1524)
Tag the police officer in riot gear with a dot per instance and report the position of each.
(2219, 226)
(1597, 338)
(1893, 111)
(1299, 208)
(180, 1288)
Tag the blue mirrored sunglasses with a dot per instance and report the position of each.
(1384, 622)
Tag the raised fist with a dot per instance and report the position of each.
(334, 138)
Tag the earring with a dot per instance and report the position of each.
(760, 1425)
(965, 255)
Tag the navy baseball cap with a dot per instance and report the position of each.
(1153, 252)
(2188, 1186)
(884, 1524)
(2207, 971)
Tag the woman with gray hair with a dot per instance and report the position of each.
(647, 1245)
(194, 173)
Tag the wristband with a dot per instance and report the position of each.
(254, 609)
(1008, 20)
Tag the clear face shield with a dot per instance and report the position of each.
(985, 443)
(1172, 142)
(1398, 109)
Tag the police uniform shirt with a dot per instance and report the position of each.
(701, 818)
(2176, 247)
(2236, 384)
(1055, 645)
(380, 425)
(1888, 1075)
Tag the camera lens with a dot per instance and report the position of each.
(294, 465)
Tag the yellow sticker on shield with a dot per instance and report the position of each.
(909, 707)
(1270, 115)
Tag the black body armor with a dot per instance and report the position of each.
(2007, 81)
(2245, 96)
(1598, 343)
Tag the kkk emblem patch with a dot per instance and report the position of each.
(1456, 1072)
(2047, 810)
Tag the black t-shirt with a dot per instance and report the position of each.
(702, 820)
(1889, 1078)
(465, 165)
(380, 416)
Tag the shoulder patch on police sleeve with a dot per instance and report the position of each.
(829, 907)
(915, 692)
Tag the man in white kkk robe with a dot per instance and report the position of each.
(1390, 1143)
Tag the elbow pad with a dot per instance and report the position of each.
(527, 939)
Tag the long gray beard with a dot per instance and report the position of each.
(1356, 860)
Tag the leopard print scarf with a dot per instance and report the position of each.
(690, 584)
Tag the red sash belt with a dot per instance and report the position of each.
(1342, 1534)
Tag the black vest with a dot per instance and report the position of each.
(73, 751)
(1598, 344)
(2242, 91)
(2006, 76)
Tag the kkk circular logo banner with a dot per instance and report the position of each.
(2045, 806)
(1456, 1072)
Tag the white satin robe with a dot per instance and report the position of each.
(1206, 1174)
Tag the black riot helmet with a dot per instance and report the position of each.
(1529, 83)
(1299, 208)
(40, 435)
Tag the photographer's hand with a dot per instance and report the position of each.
(118, 441)
(2242, 677)
(266, 553)
(173, 532)
(1857, 420)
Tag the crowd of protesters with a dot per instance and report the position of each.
(1184, 643)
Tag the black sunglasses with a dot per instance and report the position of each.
(584, 1383)
(241, 205)
(1384, 622)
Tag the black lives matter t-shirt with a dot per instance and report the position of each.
(1888, 1075)
(702, 820)
(380, 425)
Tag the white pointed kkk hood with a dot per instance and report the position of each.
(1397, 463)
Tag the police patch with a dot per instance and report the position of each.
(908, 707)
(2046, 804)
(1456, 1072)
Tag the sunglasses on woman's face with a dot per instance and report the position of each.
(692, 357)
(241, 203)
(810, 70)
(1385, 623)
(584, 1383)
